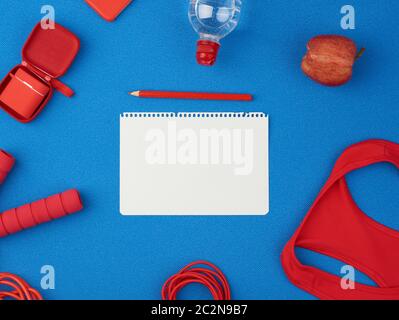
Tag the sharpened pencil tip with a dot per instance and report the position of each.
(135, 93)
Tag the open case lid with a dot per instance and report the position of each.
(51, 50)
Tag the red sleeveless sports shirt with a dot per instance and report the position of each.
(336, 227)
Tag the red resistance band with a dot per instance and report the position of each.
(212, 278)
(336, 227)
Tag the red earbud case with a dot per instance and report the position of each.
(47, 55)
(108, 9)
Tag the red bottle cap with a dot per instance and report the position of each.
(207, 52)
(6, 163)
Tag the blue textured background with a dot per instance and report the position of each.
(75, 142)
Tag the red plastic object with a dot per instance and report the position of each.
(30, 215)
(6, 164)
(335, 226)
(211, 277)
(108, 9)
(207, 52)
(47, 55)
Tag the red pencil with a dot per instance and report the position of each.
(191, 95)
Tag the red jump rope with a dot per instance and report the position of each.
(211, 277)
(27, 216)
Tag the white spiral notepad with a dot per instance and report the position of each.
(194, 164)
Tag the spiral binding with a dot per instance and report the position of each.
(194, 115)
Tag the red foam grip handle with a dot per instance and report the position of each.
(6, 163)
(38, 212)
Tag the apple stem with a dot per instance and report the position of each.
(360, 53)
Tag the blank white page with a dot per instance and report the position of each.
(194, 164)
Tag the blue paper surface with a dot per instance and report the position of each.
(99, 254)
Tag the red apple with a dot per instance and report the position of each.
(330, 59)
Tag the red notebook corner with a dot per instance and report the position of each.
(108, 9)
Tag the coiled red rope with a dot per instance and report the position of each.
(19, 288)
(211, 277)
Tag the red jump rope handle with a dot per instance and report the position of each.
(6, 164)
(38, 212)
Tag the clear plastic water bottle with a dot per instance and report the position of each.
(212, 20)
